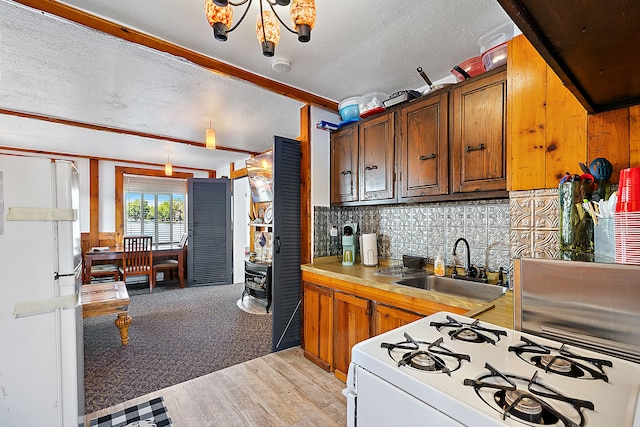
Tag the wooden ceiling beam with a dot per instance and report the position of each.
(118, 130)
(83, 18)
(59, 154)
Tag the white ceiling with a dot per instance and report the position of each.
(54, 68)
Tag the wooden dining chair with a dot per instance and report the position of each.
(100, 271)
(169, 266)
(137, 258)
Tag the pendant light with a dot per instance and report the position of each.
(210, 138)
(168, 168)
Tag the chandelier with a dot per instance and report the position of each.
(303, 17)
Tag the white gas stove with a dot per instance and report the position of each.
(451, 370)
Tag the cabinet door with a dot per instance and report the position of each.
(387, 318)
(424, 149)
(344, 165)
(479, 135)
(352, 324)
(377, 159)
(318, 324)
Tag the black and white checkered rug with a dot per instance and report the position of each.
(152, 411)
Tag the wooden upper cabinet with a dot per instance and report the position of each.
(479, 135)
(344, 165)
(377, 160)
(424, 149)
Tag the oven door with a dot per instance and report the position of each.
(379, 403)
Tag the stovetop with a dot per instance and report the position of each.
(473, 370)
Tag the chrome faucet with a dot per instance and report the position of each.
(470, 270)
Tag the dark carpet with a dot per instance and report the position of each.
(176, 335)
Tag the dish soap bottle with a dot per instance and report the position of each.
(438, 266)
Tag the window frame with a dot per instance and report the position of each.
(119, 183)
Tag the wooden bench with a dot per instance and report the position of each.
(107, 298)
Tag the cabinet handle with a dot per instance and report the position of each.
(478, 148)
(369, 168)
(346, 172)
(432, 156)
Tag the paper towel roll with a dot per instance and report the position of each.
(369, 249)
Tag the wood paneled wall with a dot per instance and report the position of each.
(548, 130)
(104, 239)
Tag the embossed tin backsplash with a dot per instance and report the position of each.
(497, 230)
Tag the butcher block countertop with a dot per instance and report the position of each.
(498, 312)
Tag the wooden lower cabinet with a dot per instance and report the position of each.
(339, 314)
(386, 318)
(318, 325)
(352, 324)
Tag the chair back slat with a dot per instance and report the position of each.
(137, 256)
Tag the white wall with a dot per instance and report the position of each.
(320, 163)
(320, 157)
(241, 194)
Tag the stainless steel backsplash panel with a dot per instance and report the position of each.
(588, 304)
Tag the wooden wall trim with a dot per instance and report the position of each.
(119, 202)
(239, 173)
(129, 34)
(94, 202)
(305, 184)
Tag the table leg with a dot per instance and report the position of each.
(122, 322)
(86, 273)
(181, 268)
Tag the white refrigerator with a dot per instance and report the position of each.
(41, 348)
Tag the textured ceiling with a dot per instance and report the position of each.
(63, 70)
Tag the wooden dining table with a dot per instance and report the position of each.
(114, 255)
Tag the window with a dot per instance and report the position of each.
(155, 207)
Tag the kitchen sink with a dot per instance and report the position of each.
(457, 287)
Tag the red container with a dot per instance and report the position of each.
(628, 206)
(629, 177)
(472, 66)
(629, 190)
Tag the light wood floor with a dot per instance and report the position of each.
(279, 389)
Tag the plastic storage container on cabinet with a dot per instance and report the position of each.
(349, 109)
(372, 103)
(495, 57)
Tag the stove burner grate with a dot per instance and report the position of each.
(425, 356)
(469, 332)
(424, 361)
(537, 404)
(561, 360)
(518, 403)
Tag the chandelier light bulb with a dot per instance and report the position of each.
(268, 32)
